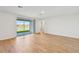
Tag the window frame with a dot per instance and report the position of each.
(24, 20)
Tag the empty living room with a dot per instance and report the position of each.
(39, 29)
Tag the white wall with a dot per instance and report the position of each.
(7, 26)
(37, 25)
(67, 25)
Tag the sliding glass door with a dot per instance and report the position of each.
(23, 26)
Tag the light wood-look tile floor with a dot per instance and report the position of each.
(37, 43)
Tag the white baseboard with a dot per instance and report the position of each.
(72, 36)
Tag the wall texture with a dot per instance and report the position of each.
(66, 25)
(7, 26)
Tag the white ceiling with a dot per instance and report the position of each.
(34, 11)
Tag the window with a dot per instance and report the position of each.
(23, 25)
